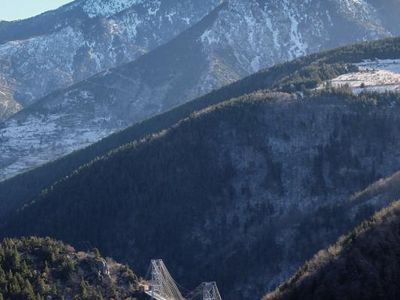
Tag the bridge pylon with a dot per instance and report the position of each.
(162, 286)
(210, 291)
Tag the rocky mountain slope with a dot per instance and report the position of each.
(234, 40)
(92, 109)
(361, 265)
(252, 184)
(36, 268)
(85, 37)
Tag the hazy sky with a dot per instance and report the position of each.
(21, 9)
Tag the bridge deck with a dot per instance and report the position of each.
(156, 296)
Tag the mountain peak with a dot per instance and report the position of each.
(105, 8)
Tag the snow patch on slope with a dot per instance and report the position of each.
(298, 47)
(38, 139)
(363, 12)
(8, 106)
(354, 7)
(373, 76)
(259, 34)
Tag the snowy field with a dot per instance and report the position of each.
(373, 76)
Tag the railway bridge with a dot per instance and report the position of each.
(162, 286)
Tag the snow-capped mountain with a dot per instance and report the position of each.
(235, 39)
(59, 48)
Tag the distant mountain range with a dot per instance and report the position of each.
(86, 37)
(242, 185)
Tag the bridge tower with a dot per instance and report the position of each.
(162, 285)
(210, 291)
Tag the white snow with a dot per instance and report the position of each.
(354, 7)
(376, 75)
(39, 139)
(272, 29)
(170, 16)
(186, 20)
(208, 37)
(298, 47)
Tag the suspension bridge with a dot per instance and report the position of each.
(162, 286)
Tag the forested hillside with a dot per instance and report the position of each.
(38, 269)
(239, 185)
(363, 264)
(306, 72)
